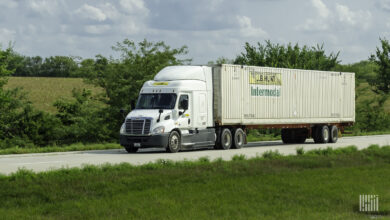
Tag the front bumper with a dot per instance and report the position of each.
(160, 140)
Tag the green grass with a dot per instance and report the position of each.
(323, 184)
(44, 91)
(72, 147)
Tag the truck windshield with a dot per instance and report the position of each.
(156, 101)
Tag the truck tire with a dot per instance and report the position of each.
(174, 142)
(238, 138)
(131, 149)
(314, 133)
(334, 134)
(300, 139)
(323, 134)
(226, 139)
(287, 136)
(301, 135)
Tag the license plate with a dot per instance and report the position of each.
(137, 144)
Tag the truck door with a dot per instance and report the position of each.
(185, 116)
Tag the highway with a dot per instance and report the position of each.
(49, 161)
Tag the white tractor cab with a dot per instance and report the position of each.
(174, 111)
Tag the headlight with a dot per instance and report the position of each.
(159, 130)
(123, 129)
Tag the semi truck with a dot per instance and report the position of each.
(187, 107)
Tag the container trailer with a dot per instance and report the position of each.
(186, 107)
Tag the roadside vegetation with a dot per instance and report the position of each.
(41, 111)
(71, 147)
(319, 184)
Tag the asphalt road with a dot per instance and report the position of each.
(49, 161)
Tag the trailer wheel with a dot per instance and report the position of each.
(300, 135)
(323, 134)
(131, 149)
(334, 134)
(226, 139)
(238, 138)
(300, 139)
(315, 134)
(174, 142)
(287, 136)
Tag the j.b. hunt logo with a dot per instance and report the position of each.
(265, 84)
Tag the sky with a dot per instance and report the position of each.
(210, 28)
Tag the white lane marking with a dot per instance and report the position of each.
(40, 162)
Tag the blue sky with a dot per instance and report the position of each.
(210, 28)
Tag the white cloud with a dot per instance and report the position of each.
(91, 12)
(8, 4)
(314, 25)
(44, 6)
(97, 29)
(6, 36)
(247, 29)
(358, 18)
(110, 11)
(134, 6)
(322, 10)
(320, 23)
(384, 4)
(340, 18)
(345, 15)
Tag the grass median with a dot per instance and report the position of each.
(319, 184)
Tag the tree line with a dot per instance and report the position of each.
(87, 118)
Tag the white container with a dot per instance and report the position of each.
(250, 95)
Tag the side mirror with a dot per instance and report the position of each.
(159, 111)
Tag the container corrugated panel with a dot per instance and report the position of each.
(250, 95)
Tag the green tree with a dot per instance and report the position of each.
(82, 118)
(381, 83)
(289, 56)
(221, 60)
(86, 68)
(364, 70)
(20, 124)
(58, 66)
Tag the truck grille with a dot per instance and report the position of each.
(138, 126)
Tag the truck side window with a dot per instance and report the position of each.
(182, 97)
